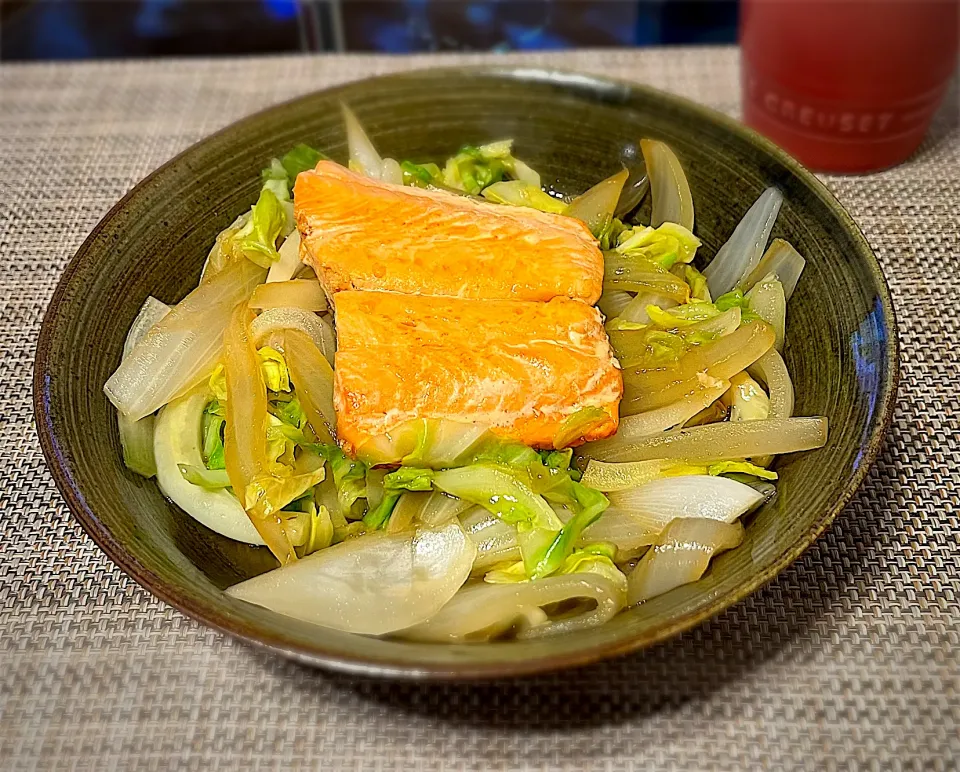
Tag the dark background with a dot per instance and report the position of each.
(82, 29)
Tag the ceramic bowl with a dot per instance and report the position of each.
(575, 129)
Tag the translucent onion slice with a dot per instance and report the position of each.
(745, 439)
(391, 172)
(767, 300)
(481, 611)
(669, 188)
(244, 436)
(269, 325)
(364, 157)
(438, 508)
(636, 309)
(623, 272)
(180, 351)
(374, 585)
(405, 512)
(783, 261)
(177, 441)
(637, 427)
(740, 255)
(496, 540)
(695, 495)
(136, 437)
(312, 378)
(289, 262)
(429, 442)
(597, 205)
(634, 190)
(680, 556)
(647, 389)
(772, 371)
(605, 476)
(630, 532)
(612, 302)
(296, 293)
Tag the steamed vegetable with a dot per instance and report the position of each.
(650, 388)
(781, 260)
(313, 376)
(136, 437)
(724, 440)
(520, 193)
(669, 189)
(596, 206)
(739, 256)
(177, 442)
(680, 556)
(482, 611)
(180, 351)
(375, 585)
(295, 293)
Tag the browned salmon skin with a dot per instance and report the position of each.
(516, 367)
(360, 233)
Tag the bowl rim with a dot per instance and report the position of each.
(465, 671)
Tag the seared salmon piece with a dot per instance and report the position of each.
(519, 368)
(364, 234)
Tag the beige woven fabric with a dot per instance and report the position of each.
(850, 659)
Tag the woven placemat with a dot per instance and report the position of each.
(850, 659)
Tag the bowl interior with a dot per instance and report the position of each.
(575, 130)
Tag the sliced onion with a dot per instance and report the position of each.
(637, 427)
(636, 310)
(376, 584)
(313, 380)
(772, 371)
(277, 320)
(746, 439)
(623, 272)
(438, 508)
(695, 495)
(289, 262)
(177, 441)
(364, 157)
(782, 260)
(634, 190)
(524, 173)
(740, 255)
(296, 293)
(180, 351)
(391, 172)
(405, 512)
(496, 540)
(612, 302)
(647, 389)
(767, 300)
(481, 611)
(136, 437)
(669, 188)
(597, 205)
(631, 533)
(681, 556)
(429, 442)
(606, 477)
(745, 400)
(244, 436)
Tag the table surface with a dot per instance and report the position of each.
(850, 658)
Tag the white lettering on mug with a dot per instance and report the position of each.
(826, 119)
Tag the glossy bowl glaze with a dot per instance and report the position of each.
(841, 339)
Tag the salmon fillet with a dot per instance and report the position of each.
(364, 234)
(516, 367)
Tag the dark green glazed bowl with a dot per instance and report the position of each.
(841, 340)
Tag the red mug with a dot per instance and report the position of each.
(846, 85)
